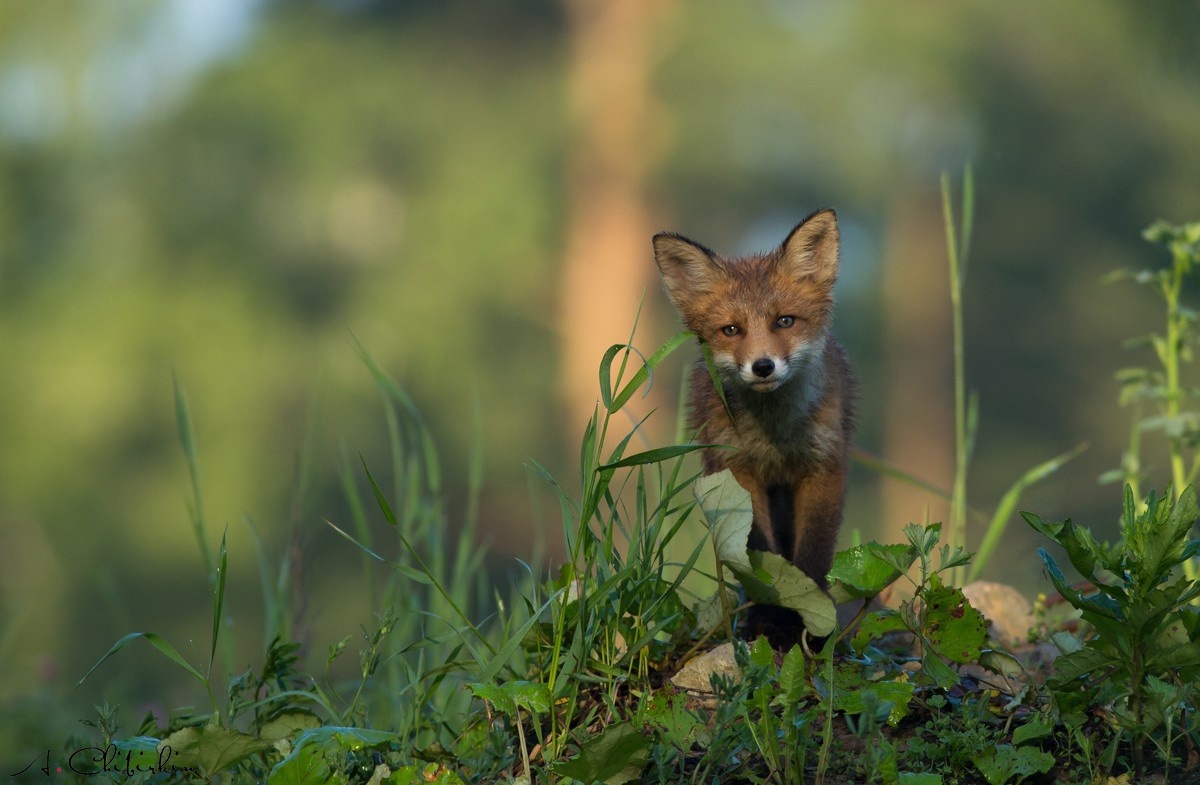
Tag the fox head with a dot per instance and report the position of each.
(766, 316)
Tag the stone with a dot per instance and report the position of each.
(696, 674)
(1009, 614)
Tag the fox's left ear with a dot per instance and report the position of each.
(811, 250)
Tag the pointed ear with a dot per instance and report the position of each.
(688, 269)
(811, 250)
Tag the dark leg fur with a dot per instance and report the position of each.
(783, 628)
(781, 500)
(804, 521)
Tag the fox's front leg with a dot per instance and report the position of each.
(819, 500)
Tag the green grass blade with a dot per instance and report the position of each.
(501, 656)
(395, 392)
(1008, 505)
(183, 423)
(409, 572)
(880, 466)
(432, 578)
(218, 600)
(645, 373)
(606, 395)
(272, 593)
(656, 455)
(710, 364)
(968, 219)
(157, 642)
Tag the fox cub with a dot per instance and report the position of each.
(789, 388)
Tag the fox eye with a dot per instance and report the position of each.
(785, 321)
(730, 330)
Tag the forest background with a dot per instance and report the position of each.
(232, 193)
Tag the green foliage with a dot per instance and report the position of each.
(951, 743)
(863, 571)
(1138, 606)
(616, 756)
(940, 617)
(572, 663)
(1159, 396)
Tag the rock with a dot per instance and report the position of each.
(695, 675)
(1009, 614)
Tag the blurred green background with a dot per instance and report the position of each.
(232, 192)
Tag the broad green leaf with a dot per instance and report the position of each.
(897, 693)
(1082, 549)
(305, 765)
(1081, 664)
(137, 744)
(726, 508)
(495, 695)
(876, 624)
(669, 713)
(1050, 529)
(1097, 604)
(1001, 662)
(210, 748)
(1176, 658)
(1160, 545)
(761, 654)
(513, 695)
(1034, 729)
(863, 571)
(955, 629)
(533, 696)
(1065, 642)
(429, 774)
(616, 756)
(792, 681)
(912, 778)
(923, 538)
(1003, 762)
(345, 739)
(942, 674)
(289, 724)
(773, 580)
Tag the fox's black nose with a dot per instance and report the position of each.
(763, 367)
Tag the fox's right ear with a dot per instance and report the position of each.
(688, 269)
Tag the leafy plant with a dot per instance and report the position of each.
(1161, 390)
(1145, 632)
(941, 619)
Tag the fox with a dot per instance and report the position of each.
(788, 392)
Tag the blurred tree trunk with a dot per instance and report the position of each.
(919, 364)
(615, 45)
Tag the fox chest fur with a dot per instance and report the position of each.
(799, 429)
